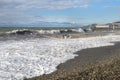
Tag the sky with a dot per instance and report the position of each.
(84, 12)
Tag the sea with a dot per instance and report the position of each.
(25, 55)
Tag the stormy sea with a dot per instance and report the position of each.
(28, 53)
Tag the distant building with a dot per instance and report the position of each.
(101, 27)
(116, 25)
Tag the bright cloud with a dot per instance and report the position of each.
(21, 18)
(44, 4)
(30, 11)
(13, 11)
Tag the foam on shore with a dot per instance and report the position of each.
(34, 57)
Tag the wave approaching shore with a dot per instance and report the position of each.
(34, 57)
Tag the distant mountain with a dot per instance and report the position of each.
(43, 24)
(54, 24)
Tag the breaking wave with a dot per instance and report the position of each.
(52, 31)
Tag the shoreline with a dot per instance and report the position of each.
(85, 58)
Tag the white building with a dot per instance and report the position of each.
(116, 25)
(102, 26)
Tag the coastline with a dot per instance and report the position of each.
(86, 57)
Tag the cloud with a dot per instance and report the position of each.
(112, 7)
(47, 4)
(19, 18)
(43, 4)
(22, 18)
(18, 11)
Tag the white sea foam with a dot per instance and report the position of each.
(34, 57)
(48, 31)
(52, 31)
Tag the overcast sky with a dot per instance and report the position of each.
(73, 11)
